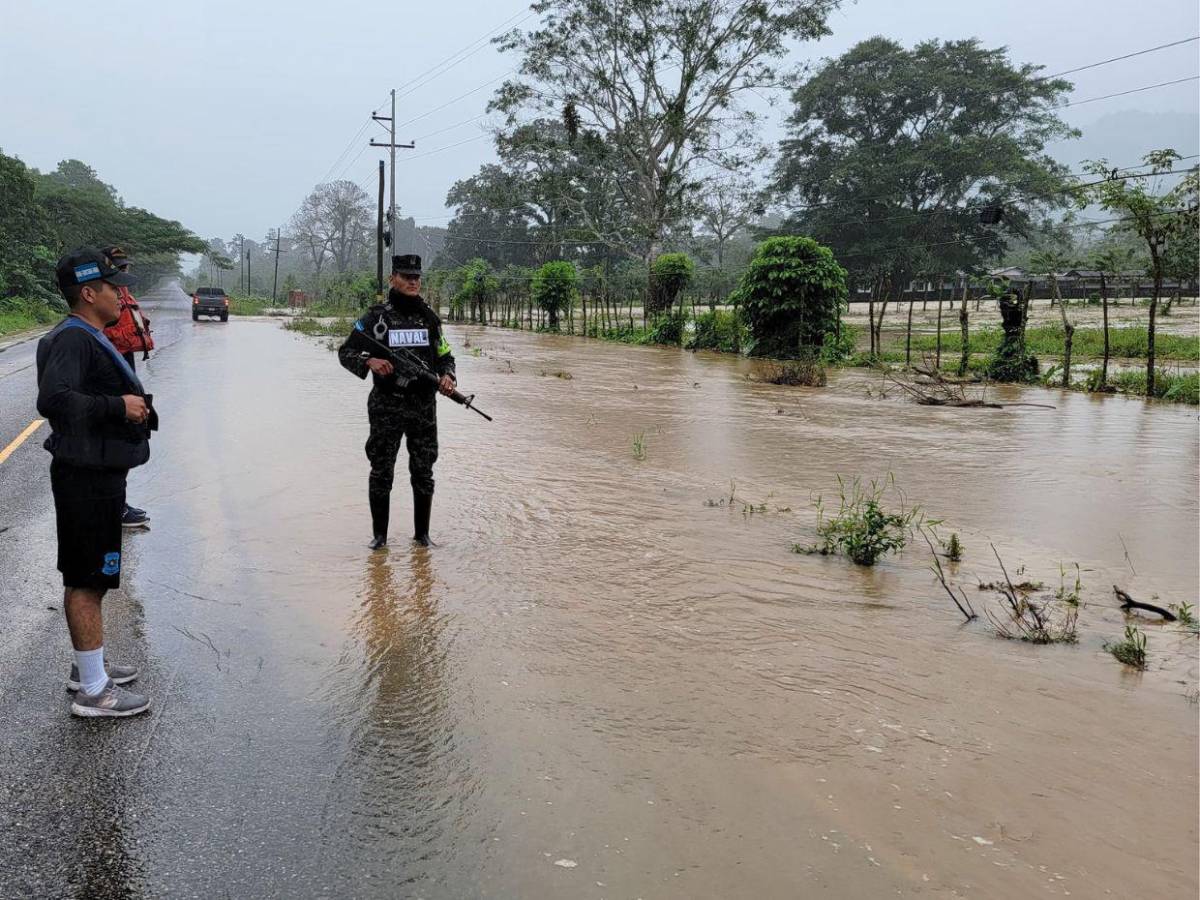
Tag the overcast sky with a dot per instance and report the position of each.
(225, 114)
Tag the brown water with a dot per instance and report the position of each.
(599, 686)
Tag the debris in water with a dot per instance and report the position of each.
(566, 863)
(982, 842)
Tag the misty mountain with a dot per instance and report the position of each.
(1123, 138)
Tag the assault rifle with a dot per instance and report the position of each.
(408, 365)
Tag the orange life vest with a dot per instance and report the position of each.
(132, 331)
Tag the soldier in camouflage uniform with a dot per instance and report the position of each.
(398, 406)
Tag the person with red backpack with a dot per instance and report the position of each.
(129, 334)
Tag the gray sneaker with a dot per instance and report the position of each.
(112, 701)
(119, 675)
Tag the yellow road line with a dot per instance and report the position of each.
(8, 451)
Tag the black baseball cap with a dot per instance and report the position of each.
(409, 264)
(118, 255)
(87, 264)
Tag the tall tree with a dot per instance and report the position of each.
(1158, 214)
(892, 153)
(337, 216)
(659, 81)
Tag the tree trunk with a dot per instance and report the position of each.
(938, 352)
(965, 357)
(1153, 313)
(871, 322)
(1104, 311)
(908, 333)
(1068, 341)
(879, 324)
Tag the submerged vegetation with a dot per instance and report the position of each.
(1131, 650)
(863, 528)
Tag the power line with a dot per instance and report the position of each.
(1148, 87)
(1105, 62)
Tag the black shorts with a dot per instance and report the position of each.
(88, 506)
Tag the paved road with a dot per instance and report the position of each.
(147, 808)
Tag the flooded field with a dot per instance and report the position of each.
(599, 686)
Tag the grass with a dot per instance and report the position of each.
(1176, 387)
(1131, 650)
(863, 529)
(314, 328)
(639, 446)
(1047, 340)
(19, 314)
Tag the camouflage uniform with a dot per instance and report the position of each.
(399, 406)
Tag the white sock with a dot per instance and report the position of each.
(92, 677)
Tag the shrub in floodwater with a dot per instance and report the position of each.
(953, 548)
(1068, 595)
(1185, 613)
(1132, 650)
(790, 294)
(719, 329)
(639, 445)
(863, 529)
(806, 371)
(668, 329)
(837, 348)
(1028, 621)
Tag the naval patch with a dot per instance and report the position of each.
(408, 337)
(112, 564)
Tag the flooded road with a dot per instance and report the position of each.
(596, 685)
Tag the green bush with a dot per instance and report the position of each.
(23, 313)
(669, 275)
(668, 329)
(790, 295)
(836, 349)
(554, 288)
(719, 329)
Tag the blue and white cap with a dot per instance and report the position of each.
(85, 264)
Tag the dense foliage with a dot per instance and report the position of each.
(43, 215)
(791, 296)
(554, 288)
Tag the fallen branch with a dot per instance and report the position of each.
(937, 570)
(1128, 603)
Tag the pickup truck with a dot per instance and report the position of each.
(210, 301)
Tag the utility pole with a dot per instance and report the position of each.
(277, 251)
(247, 255)
(379, 242)
(241, 264)
(392, 147)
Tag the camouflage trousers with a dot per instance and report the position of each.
(393, 418)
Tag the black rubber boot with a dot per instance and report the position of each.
(422, 510)
(380, 507)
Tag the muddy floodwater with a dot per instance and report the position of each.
(598, 685)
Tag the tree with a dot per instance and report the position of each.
(670, 274)
(554, 288)
(892, 152)
(26, 239)
(659, 82)
(791, 296)
(1050, 263)
(727, 207)
(1158, 215)
(477, 289)
(1110, 261)
(335, 219)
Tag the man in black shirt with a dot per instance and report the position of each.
(100, 420)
